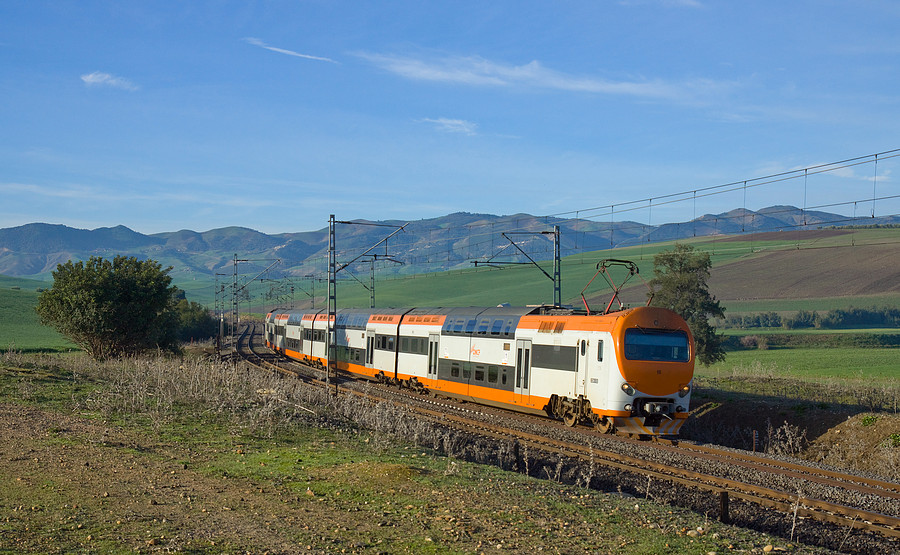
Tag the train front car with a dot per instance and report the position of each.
(651, 393)
(628, 372)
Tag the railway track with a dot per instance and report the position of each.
(723, 482)
(679, 462)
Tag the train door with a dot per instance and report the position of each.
(601, 364)
(581, 374)
(433, 343)
(370, 347)
(522, 386)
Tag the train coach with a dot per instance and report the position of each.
(629, 371)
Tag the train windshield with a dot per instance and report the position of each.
(656, 345)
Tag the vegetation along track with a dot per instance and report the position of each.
(819, 506)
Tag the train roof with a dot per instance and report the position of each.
(504, 312)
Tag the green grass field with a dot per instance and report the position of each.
(790, 306)
(20, 328)
(873, 366)
(804, 331)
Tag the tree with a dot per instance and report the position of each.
(194, 321)
(680, 285)
(112, 308)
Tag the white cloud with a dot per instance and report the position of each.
(477, 71)
(101, 79)
(261, 44)
(448, 125)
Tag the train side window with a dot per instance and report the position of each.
(492, 374)
(483, 327)
(503, 377)
(496, 327)
(583, 347)
(458, 325)
(390, 343)
(600, 351)
(479, 373)
(413, 345)
(467, 371)
(454, 370)
(470, 326)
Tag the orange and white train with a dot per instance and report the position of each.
(629, 371)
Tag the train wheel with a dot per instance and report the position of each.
(604, 425)
(570, 418)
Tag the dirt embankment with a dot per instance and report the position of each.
(851, 438)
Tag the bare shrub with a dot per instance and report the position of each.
(26, 389)
(754, 342)
(785, 440)
(889, 455)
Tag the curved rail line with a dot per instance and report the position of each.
(450, 414)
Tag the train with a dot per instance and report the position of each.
(628, 372)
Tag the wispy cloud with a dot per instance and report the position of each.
(664, 3)
(90, 197)
(478, 71)
(448, 125)
(101, 79)
(261, 44)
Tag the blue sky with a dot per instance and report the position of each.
(272, 115)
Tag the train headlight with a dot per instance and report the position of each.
(627, 389)
(679, 408)
(684, 391)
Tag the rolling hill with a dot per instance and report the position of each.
(438, 244)
(760, 258)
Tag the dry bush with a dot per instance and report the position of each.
(785, 440)
(754, 342)
(159, 388)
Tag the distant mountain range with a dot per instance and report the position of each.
(436, 244)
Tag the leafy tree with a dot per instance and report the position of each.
(112, 308)
(803, 319)
(680, 285)
(194, 321)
